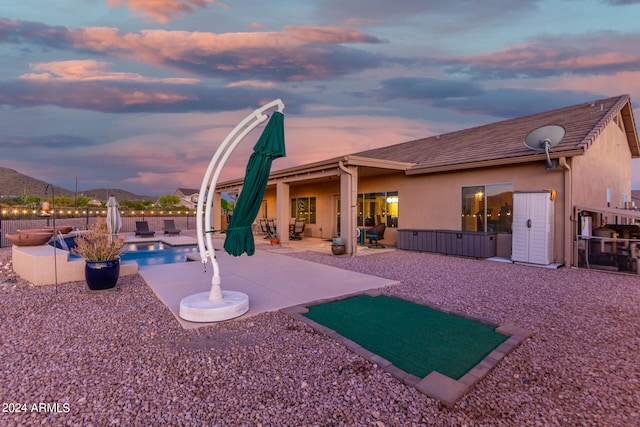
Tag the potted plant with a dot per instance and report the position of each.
(337, 246)
(101, 252)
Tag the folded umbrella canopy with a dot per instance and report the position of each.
(270, 146)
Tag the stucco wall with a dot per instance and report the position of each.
(433, 201)
(325, 194)
(606, 164)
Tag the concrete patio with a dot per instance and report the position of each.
(271, 280)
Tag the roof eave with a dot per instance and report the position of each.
(377, 163)
(322, 166)
(493, 162)
(630, 129)
(306, 169)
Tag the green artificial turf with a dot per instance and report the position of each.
(415, 338)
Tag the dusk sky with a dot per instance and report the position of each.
(138, 94)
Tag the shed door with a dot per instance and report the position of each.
(532, 228)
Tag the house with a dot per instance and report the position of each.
(465, 181)
(188, 197)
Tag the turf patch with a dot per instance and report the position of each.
(409, 340)
(415, 338)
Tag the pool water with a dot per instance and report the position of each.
(156, 253)
(147, 253)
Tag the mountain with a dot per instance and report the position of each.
(13, 184)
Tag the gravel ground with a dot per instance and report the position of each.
(118, 357)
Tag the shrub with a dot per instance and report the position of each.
(98, 244)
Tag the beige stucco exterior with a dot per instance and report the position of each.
(432, 199)
(605, 165)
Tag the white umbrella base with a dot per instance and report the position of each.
(198, 307)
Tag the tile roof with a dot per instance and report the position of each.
(505, 139)
(188, 191)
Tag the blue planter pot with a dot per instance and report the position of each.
(102, 274)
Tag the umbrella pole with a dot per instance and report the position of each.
(217, 305)
(216, 291)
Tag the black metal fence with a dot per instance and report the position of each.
(11, 221)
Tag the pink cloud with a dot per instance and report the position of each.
(296, 53)
(176, 44)
(624, 82)
(252, 83)
(554, 55)
(328, 35)
(537, 57)
(91, 70)
(161, 10)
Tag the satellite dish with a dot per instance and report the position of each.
(543, 139)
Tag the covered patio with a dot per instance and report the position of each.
(336, 184)
(607, 238)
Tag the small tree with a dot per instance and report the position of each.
(33, 202)
(135, 205)
(63, 201)
(168, 201)
(81, 201)
(226, 205)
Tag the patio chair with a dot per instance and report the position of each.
(271, 228)
(375, 234)
(142, 229)
(264, 228)
(170, 228)
(298, 229)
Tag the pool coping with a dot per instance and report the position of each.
(436, 385)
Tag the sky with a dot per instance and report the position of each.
(138, 94)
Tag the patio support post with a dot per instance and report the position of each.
(569, 229)
(217, 203)
(349, 214)
(282, 211)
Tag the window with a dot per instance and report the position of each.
(304, 208)
(487, 208)
(376, 208)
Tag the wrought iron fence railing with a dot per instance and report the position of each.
(13, 221)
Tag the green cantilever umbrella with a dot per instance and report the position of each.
(270, 146)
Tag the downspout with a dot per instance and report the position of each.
(568, 213)
(352, 207)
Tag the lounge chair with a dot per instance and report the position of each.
(298, 229)
(375, 234)
(170, 228)
(142, 229)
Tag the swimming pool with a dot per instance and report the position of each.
(145, 253)
(156, 253)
